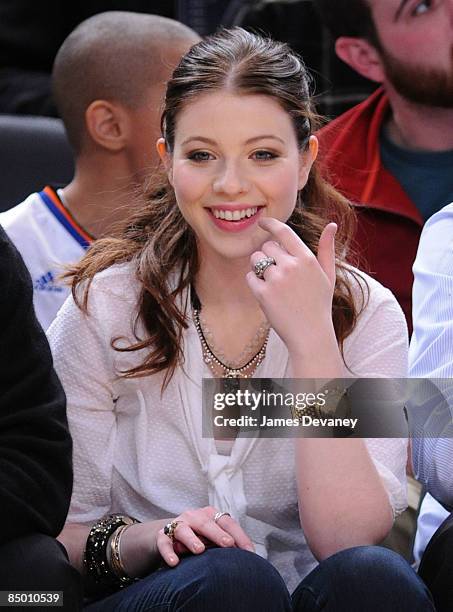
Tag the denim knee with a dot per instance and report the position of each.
(219, 579)
(365, 577)
(226, 579)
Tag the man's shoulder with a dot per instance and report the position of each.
(444, 216)
(349, 153)
(38, 234)
(21, 211)
(435, 251)
(439, 228)
(25, 221)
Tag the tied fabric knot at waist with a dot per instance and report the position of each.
(226, 493)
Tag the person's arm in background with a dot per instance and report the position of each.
(35, 444)
(431, 356)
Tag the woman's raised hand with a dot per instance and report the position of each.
(296, 294)
(145, 545)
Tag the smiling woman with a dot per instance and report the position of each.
(230, 270)
(235, 153)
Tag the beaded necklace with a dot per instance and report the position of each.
(250, 349)
(212, 360)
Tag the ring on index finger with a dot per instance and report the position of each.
(262, 265)
(170, 528)
(218, 516)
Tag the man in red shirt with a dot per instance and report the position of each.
(392, 154)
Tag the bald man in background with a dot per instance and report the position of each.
(109, 78)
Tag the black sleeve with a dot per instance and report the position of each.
(35, 444)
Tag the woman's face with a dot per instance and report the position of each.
(235, 160)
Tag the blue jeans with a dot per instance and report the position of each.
(363, 579)
(368, 579)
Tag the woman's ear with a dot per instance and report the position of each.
(307, 158)
(313, 148)
(165, 158)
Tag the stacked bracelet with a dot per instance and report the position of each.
(100, 576)
(115, 556)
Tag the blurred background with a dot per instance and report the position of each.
(31, 33)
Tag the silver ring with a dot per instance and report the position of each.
(218, 515)
(262, 265)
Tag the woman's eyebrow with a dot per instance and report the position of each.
(264, 137)
(200, 139)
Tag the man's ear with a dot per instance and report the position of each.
(361, 56)
(107, 124)
(165, 157)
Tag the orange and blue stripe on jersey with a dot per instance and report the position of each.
(62, 214)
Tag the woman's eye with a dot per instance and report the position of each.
(264, 155)
(200, 156)
(422, 7)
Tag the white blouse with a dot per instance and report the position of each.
(141, 452)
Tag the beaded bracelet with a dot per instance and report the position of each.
(100, 576)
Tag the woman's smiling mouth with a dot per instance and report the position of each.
(235, 219)
(234, 215)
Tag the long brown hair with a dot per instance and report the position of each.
(157, 239)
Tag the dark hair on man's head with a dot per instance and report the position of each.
(348, 18)
(115, 56)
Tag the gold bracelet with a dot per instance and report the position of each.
(115, 556)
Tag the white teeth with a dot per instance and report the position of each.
(236, 215)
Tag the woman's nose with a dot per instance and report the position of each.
(230, 180)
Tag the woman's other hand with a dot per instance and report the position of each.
(144, 545)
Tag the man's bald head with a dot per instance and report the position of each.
(115, 56)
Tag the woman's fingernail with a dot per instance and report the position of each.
(227, 541)
(250, 547)
(172, 560)
(197, 546)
